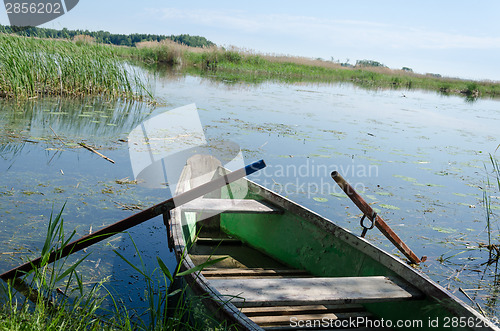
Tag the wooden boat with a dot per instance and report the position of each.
(287, 267)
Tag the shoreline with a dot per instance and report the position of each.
(86, 61)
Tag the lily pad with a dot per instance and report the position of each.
(339, 195)
(428, 184)
(319, 155)
(320, 199)
(371, 197)
(386, 206)
(460, 194)
(443, 230)
(384, 193)
(408, 179)
(442, 173)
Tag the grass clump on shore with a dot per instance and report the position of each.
(32, 67)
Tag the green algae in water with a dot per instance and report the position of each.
(320, 155)
(443, 230)
(339, 195)
(387, 206)
(408, 179)
(428, 184)
(28, 193)
(383, 193)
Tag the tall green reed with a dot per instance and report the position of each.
(493, 246)
(168, 306)
(54, 296)
(31, 67)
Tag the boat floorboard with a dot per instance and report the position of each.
(245, 265)
(237, 256)
(244, 292)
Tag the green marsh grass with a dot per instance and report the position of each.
(46, 310)
(237, 65)
(491, 187)
(32, 67)
(55, 296)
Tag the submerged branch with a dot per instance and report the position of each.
(96, 152)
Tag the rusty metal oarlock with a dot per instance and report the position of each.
(366, 228)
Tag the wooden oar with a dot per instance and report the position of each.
(136, 219)
(379, 222)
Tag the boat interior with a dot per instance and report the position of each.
(282, 268)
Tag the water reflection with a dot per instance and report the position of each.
(93, 118)
(43, 166)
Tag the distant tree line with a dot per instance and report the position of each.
(106, 37)
(369, 63)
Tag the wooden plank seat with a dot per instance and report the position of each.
(217, 241)
(231, 206)
(281, 317)
(213, 273)
(244, 292)
(301, 310)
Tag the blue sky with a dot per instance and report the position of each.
(452, 38)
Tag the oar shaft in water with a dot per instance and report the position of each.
(136, 219)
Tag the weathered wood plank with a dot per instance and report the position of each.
(277, 319)
(283, 320)
(300, 291)
(253, 272)
(231, 206)
(228, 262)
(218, 241)
(309, 309)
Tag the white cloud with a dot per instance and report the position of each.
(339, 32)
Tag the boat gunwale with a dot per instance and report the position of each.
(196, 280)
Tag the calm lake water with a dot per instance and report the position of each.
(421, 159)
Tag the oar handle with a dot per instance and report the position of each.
(379, 222)
(138, 218)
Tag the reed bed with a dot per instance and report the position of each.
(56, 296)
(32, 67)
(491, 190)
(239, 64)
